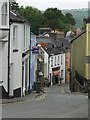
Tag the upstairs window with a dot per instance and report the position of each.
(4, 14)
(15, 37)
(24, 37)
(55, 61)
(58, 60)
(51, 61)
(61, 60)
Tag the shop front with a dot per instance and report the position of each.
(56, 75)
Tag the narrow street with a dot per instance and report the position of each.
(57, 104)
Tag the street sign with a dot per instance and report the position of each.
(35, 50)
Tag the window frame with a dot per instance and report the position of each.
(61, 59)
(4, 14)
(51, 61)
(15, 36)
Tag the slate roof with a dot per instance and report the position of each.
(14, 17)
(45, 39)
(53, 47)
(53, 51)
(63, 42)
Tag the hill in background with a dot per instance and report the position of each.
(78, 15)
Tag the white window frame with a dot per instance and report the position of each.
(4, 14)
(51, 61)
(55, 60)
(61, 59)
(58, 60)
(15, 35)
(24, 37)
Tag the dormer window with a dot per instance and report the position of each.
(4, 13)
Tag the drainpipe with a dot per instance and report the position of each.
(9, 54)
(30, 61)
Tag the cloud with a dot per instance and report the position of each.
(60, 4)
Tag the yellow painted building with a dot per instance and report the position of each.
(87, 66)
(80, 60)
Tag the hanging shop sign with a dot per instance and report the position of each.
(35, 50)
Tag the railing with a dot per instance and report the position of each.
(80, 79)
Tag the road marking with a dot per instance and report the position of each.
(26, 101)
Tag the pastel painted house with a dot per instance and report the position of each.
(80, 60)
(33, 61)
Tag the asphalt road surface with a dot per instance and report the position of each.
(56, 104)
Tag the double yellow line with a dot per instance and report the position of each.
(26, 101)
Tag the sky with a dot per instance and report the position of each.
(60, 4)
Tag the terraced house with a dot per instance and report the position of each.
(80, 60)
(4, 31)
(14, 53)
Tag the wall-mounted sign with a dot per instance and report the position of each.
(35, 50)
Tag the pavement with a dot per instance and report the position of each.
(65, 89)
(30, 97)
(38, 96)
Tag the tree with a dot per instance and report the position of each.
(54, 18)
(53, 14)
(51, 17)
(34, 16)
(70, 19)
(14, 6)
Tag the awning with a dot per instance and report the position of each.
(56, 72)
(56, 69)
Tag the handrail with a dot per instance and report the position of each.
(79, 84)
